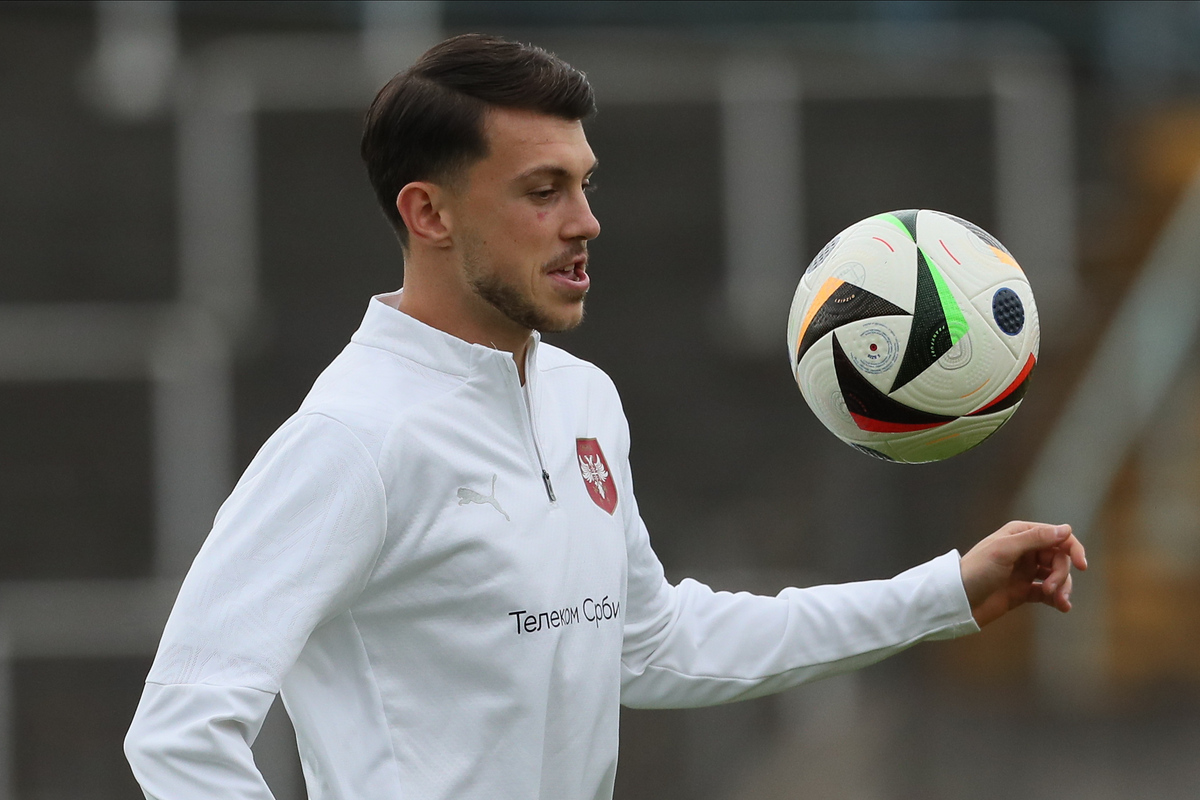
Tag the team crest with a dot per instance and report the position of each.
(596, 475)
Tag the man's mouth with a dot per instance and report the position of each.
(573, 273)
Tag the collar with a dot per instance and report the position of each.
(387, 327)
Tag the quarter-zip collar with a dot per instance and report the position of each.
(390, 329)
(386, 327)
(530, 393)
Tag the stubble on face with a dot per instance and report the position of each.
(510, 300)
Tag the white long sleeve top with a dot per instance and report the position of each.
(445, 574)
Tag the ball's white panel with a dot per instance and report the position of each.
(958, 251)
(800, 302)
(972, 370)
(813, 277)
(999, 385)
(876, 347)
(1028, 338)
(879, 256)
(874, 255)
(948, 440)
(818, 383)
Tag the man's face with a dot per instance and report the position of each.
(522, 221)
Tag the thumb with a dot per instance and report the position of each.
(1037, 536)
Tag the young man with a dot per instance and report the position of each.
(438, 560)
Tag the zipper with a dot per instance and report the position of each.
(537, 446)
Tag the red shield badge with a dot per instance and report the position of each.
(596, 475)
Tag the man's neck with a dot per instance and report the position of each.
(465, 316)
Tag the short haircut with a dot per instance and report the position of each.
(426, 124)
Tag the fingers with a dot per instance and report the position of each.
(1056, 550)
(1045, 558)
(1020, 537)
(1060, 599)
(1059, 571)
(1031, 537)
(1078, 554)
(1072, 546)
(1029, 561)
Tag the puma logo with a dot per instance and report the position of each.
(466, 495)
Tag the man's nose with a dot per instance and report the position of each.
(583, 224)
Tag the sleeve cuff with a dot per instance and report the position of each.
(946, 571)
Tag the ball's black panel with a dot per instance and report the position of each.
(865, 400)
(909, 218)
(848, 303)
(873, 453)
(929, 338)
(1008, 311)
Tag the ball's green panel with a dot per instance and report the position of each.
(897, 339)
(904, 220)
(930, 335)
(956, 323)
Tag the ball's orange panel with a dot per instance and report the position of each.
(827, 288)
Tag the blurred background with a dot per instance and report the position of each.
(187, 237)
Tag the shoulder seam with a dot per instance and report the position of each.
(213, 686)
(411, 361)
(578, 364)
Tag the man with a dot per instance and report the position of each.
(438, 560)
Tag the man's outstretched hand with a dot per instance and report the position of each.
(1023, 562)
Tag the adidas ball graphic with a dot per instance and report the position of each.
(913, 335)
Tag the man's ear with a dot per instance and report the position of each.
(422, 206)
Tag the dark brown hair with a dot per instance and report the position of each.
(426, 124)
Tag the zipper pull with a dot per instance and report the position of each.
(549, 488)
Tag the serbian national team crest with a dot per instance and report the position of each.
(596, 475)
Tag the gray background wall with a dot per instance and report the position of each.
(739, 483)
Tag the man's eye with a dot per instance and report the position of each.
(589, 186)
(543, 194)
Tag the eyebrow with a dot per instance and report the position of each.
(553, 170)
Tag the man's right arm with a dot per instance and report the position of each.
(291, 548)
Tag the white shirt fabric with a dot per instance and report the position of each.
(421, 560)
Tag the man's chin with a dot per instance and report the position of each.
(563, 322)
(556, 318)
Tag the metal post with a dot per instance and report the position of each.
(763, 201)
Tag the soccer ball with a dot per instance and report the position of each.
(912, 335)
